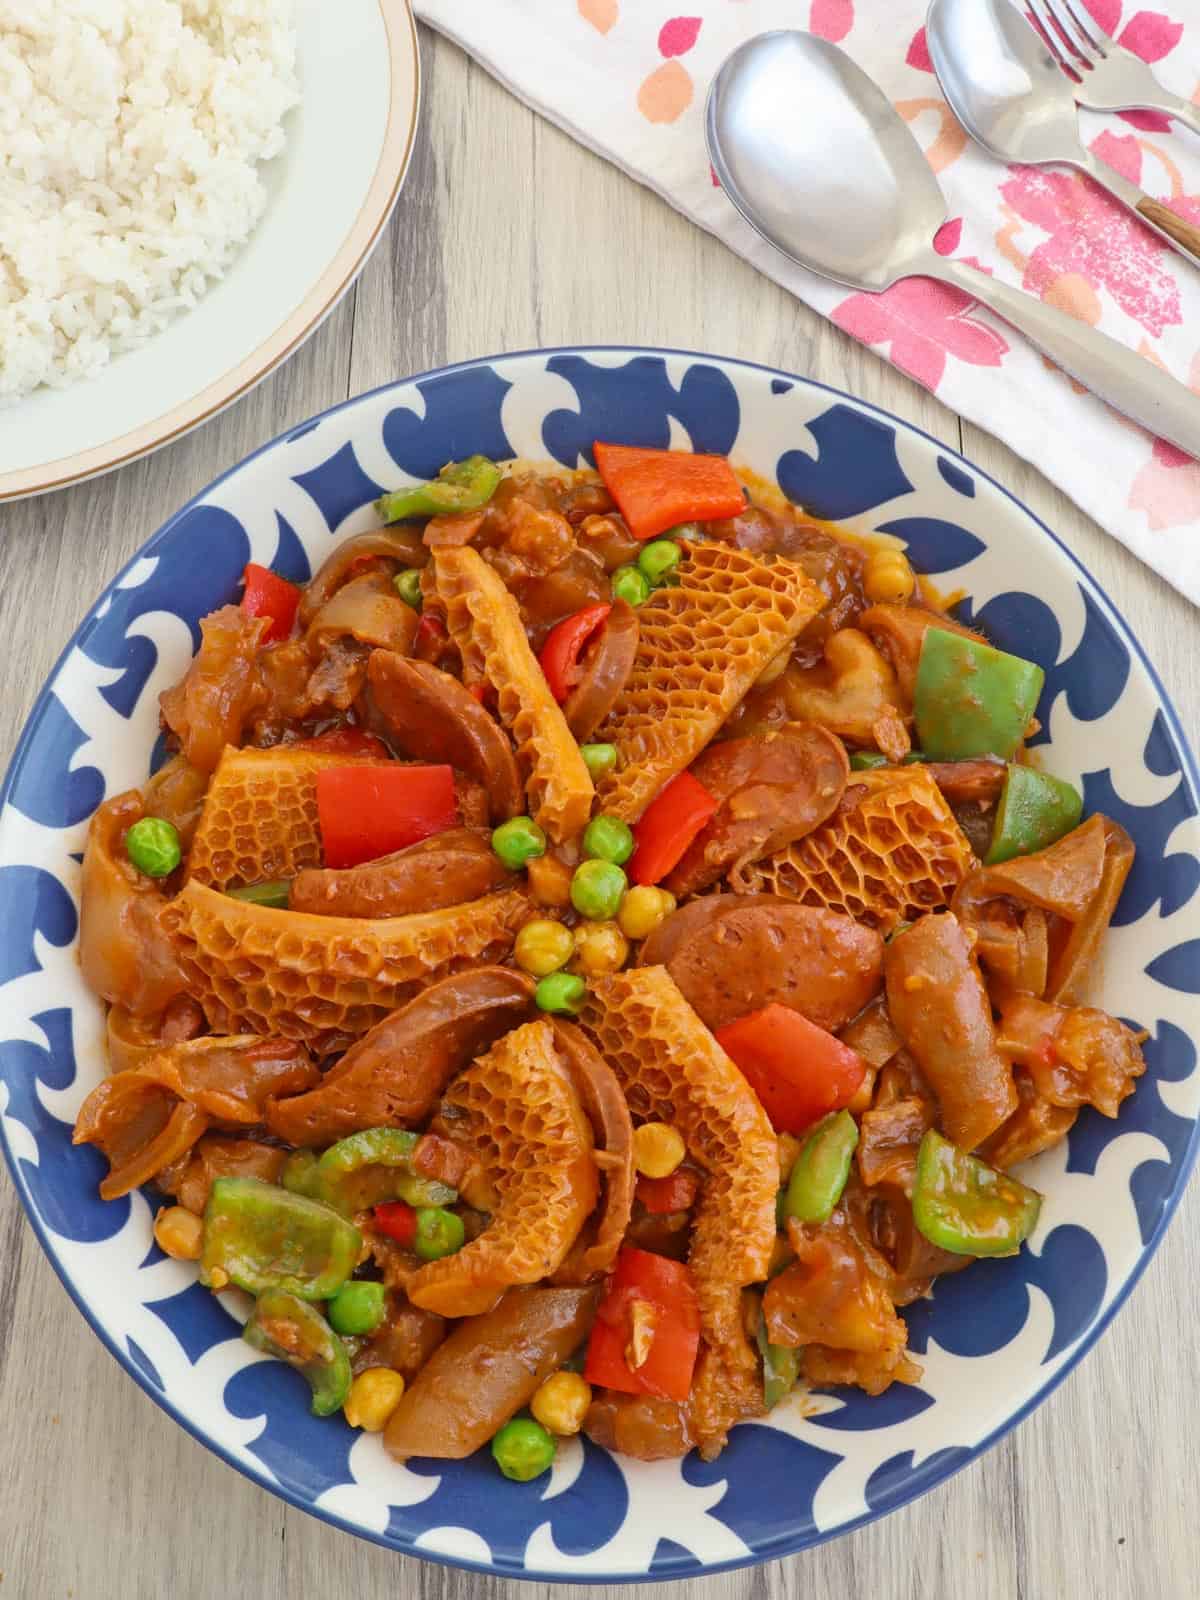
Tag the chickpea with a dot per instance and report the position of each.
(373, 1396)
(179, 1232)
(888, 577)
(542, 946)
(561, 1403)
(549, 881)
(658, 1148)
(600, 948)
(642, 909)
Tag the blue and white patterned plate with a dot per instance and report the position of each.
(993, 1341)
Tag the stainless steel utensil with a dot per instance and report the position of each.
(816, 159)
(1106, 76)
(1009, 93)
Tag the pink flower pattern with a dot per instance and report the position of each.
(924, 323)
(1091, 235)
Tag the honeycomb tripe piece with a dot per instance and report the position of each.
(485, 622)
(260, 816)
(892, 852)
(326, 980)
(702, 644)
(673, 1070)
(517, 1111)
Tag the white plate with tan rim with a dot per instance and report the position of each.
(331, 194)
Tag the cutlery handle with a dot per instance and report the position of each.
(1180, 235)
(1128, 382)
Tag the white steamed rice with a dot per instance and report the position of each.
(131, 137)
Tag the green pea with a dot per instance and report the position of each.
(630, 585)
(658, 559)
(597, 888)
(275, 892)
(517, 841)
(153, 847)
(608, 838)
(523, 1449)
(357, 1308)
(561, 993)
(439, 1233)
(599, 759)
(407, 585)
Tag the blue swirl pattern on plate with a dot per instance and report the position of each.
(992, 1341)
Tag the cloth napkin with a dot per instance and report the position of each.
(628, 78)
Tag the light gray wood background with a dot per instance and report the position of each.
(507, 236)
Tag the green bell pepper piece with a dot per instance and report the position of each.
(263, 1237)
(275, 892)
(963, 1205)
(293, 1331)
(821, 1169)
(971, 700)
(374, 1165)
(300, 1174)
(781, 1366)
(866, 760)
(460, 486)
(1035, 810)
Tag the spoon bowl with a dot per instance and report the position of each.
(1001, 81)
(778, 107)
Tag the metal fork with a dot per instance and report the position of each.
(1105, 75)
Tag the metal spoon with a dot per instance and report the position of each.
(1009, 93)
(817, 161)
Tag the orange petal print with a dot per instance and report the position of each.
(600, 13)
(667, 93)
(951, 140)
(1073, 294)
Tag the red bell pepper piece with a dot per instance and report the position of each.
(659, 489)
(369, 811)
(346, 742)
(798, 1071)
(560, 657)
(668, 825)
(431, 639)
(650, 1293)
(674, 1193)
(269, 595)
(397, 1220)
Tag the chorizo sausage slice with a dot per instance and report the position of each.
(396, 1071)
(431, 716)
(752, 950)
(772, 790)
(444, 870)
(606, 670)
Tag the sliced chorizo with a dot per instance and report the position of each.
(429, 715)
(940, 1008)
(752, 950)
(606, 669)
(444, 870)
(395, 1072)
(771, 791)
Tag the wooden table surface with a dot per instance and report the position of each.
(508, 235)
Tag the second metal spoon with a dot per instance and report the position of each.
(817, 160)
(1010, 95)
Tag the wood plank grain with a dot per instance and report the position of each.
(507, 236)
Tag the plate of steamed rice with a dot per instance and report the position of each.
(183, 198)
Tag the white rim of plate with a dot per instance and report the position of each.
(404, 100)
